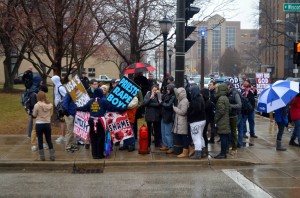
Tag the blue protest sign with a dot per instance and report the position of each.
(123, 93)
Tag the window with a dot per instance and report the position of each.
(230, 37)
(91, 72)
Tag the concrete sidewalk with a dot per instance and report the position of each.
(15, 152)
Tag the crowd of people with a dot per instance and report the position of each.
(191, 113)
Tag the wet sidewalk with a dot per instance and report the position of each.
(15, 151)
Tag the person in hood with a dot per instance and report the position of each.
(180, 122)
(197, 120)
(167, 121)
(59, 93)
(222, 118)
(97, 107)
(42, 111)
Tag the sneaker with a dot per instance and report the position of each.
(45, 146)
(71, 149)
(60, 140)
(34, 148)
(245, 136)
(253, 136)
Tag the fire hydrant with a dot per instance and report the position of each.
(143, 140)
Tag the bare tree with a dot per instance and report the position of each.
(230, 62)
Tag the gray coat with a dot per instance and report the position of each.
(153, 107)
(180, 121)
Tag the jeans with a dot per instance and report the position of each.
(44, 128)
(233, 133)
(70, 138)
(296, 132)
(224, 142)
(240, 125)
(130, 141)
(166, 134)
(29, 126)
(281, 126)
(250, 118)
(184, 140)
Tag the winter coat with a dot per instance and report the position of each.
(209, 105)
(196, 110)
(180, 121)
(69, 105)
(281, 115)
(222, 110)
(153, 107)
(235, 102)
(295, 108)
(59, 90)
(168, 101)
(42, 112)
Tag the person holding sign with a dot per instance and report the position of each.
(97, 107)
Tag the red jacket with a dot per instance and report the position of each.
(295, 108)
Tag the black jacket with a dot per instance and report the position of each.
(196, 110)
(168, 101)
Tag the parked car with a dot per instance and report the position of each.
(18, 79)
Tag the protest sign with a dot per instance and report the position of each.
(77, 91)
(81, 125)
(262, 81)
(123, 93)
(119, 126)
(236, 83)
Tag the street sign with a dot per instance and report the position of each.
(291, 7)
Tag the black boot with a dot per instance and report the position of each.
(279, 147)
(197, 155)
(293, 143)
(220, 156)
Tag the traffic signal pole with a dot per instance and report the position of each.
(296, 41)
(180, 36)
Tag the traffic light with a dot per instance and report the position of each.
(296, 58)
(190, 11)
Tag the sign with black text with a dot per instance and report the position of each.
(236, 83)
(123, 93)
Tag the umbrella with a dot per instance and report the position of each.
(277, 95)
(138, 67)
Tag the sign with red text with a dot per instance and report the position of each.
(262, 81)
(119, 126)
(81, 125)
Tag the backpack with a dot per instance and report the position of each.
(60, 111)
(26, 102)
(27, 79)
(246, 105)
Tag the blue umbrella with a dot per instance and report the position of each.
(277, 95)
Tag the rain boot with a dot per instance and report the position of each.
(197, 155)
(279, 147)
(185, 153)
(204, 152)
(51, 152)
(191, 151)
(42, 155)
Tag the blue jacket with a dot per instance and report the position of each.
(69, 105)
(98, 106)
(281, 115)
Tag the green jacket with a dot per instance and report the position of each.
(222, 110)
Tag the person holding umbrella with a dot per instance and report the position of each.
(295, 116)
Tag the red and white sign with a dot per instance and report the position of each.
(81, 125)
(119, 126)
(262, 81)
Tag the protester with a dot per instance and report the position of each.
(197, 120)
(105, 91)
(167, 120)
(152, 103)
(59, 92)
(142, 81)
(129, 144)
(186, 82)
(93, 86)
(151, 81)
(295, 117)
(84, 80)
(213, 99)
(235, 108)
(281, 118)
(27, 78)
(249, 92)
(42, 111)
(97, 107)
(164, 84)
(222, 118)
(180, 122)
(70, 107)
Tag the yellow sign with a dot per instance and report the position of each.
(77, 91)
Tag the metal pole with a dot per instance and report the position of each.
(170, 71)
(180, 49)
(202, 62)
(296, 40)
(165, 55)
(156, 69)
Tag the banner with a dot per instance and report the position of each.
(236, 83)
(119, 126)
(123, 93)
(81, 125)
(262, 81)
(77, 91)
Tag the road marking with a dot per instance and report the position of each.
(246, 184)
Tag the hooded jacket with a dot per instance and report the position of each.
(153, 107)
(222, 110)
(98, 106)
(196, 110)
(59, 90)
(69, 105)
(180, 121)
(42, 112)
(168, 101)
